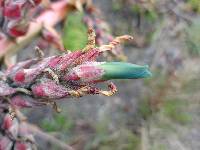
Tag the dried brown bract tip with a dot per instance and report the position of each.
(117, 41)
(91, 39)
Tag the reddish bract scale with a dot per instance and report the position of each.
(49, 89)
(68, 60)
(90, 55)
(19, 76)
(28, 77)
(38, 91)
(1, 3)
(37, 2)
(29, 74)
(17, 31)
(12, 11)
(21, 65)
(20, 146)
(15, 16)
(54, 62)
(7, 122)
(21, 101)
(88, 72)
(71, 77)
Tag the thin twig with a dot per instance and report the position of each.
(35, 130)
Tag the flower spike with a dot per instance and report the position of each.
(43, 81)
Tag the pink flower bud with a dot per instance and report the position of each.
(21, 65)
(5, 143)
(87, 72)
(27, 76)
(20, 76)
(17, 29)
(49, 89)
(2, 3)
(12, 11)
(10, 125)
(37, 2)
(7, 122)
(21, 146)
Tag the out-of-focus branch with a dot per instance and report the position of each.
(47, 137)
(38, 132)
(50, 17)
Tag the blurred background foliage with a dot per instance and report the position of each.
(74, 32)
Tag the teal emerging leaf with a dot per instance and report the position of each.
(121, 70)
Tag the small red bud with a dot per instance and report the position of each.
(2, 3)
(12, 11)
(37, 2)
(20, 76)
(88, 72)
(17, 31)
(16, 28)
(20, 146)
(7, 122)
(49, 89)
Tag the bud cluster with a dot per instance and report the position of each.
(15, 16)
(42, 81)
(14, 134)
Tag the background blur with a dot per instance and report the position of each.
(160, 113)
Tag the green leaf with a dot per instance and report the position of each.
(75, 32)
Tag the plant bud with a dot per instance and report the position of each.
(7, 122)
(37, 2)
(87, 72)
(20, 146)
(5, 143)
(49, 89)
(17, 29)
(97, 71)
(12, 11)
